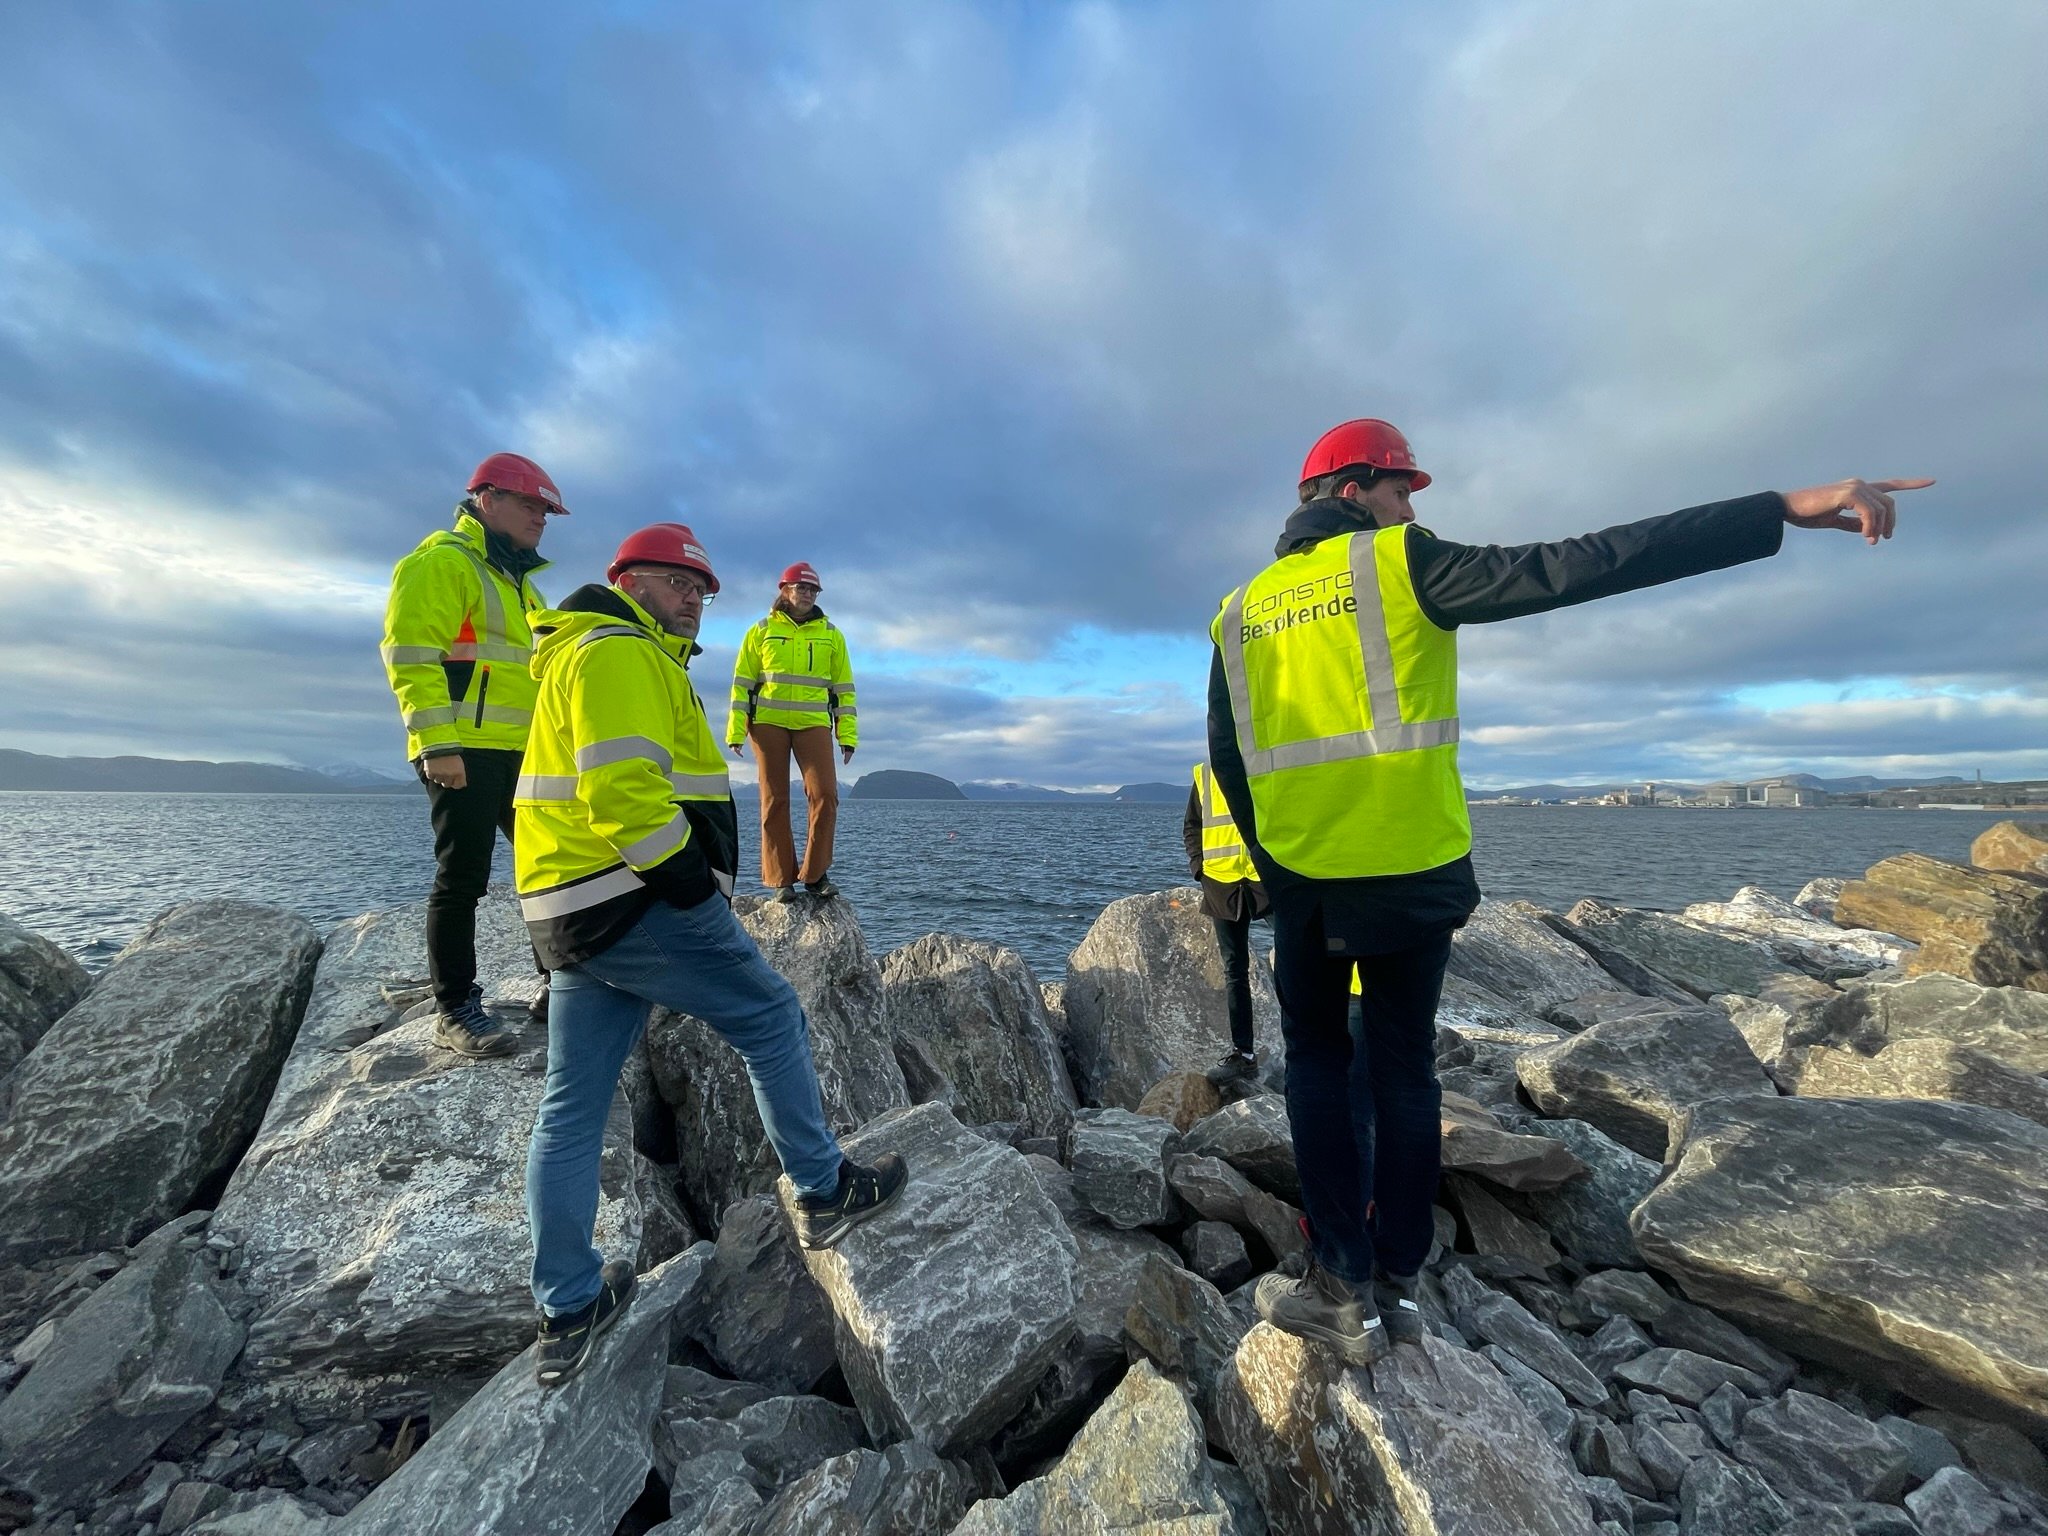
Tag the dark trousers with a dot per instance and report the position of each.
(1362, 1098)
(467, 822)
(1233, 942)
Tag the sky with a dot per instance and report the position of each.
(1016, 320)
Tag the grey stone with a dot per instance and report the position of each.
(1252, 1136)
(902, 1490)
(1623, 1293)
(1953, 1503)
(1695, 958)
(1474, 1142)
(1685, 1326)
(1994, 1450)
(1507, 948)
(1767, 1021)
(818, 948)
(1218, 1192)
(1662, 1457)
(189, 1502)
(1684, 1376)
(1238, 1493)
(1433, 1443)
(139, 1358)
(665, 1227)
(700, 1395)
(1817, 898)
(1807, 1447)
(1216, 1253)
(1495, 1229)
(1140, 1464)
(1183, 1325)
(1634, 1077)
(976, 1010)
(1799, 939)
(1119, 1164)
(949, 1307)
(162, 1477)
(1880, 1520)
(1923, 1069)
(321, 1457)
(1927, 1449)
(1618, 1339)
(1481, 1312)
(766, 1445)
(1720, 1497)
(39, 982)
(561, 1460)
(1545, 1403)
(763, 1318)
(265, 1512)
(1588, 1217)
(1144, 997)
(149, 1087)
(1583, 1013)
(1723, 1411)
(1611, 1507)
(2009, 1024)
(1950, 1319)
(1604, 1451)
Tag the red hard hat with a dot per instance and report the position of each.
(802, 572)
(1365, 441)
(518, 474)
(663, 544)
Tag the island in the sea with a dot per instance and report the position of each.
(902, 784)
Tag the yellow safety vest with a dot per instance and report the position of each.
(793, 675)
(1223, 852)
(457, 639)
(1346, 703)
(619, 743)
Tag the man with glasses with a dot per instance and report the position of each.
(626, 850)
(456, 646)
(792, 695)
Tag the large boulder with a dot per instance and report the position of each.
(976, 1010)
(2013, 847)
(1433, 1442)
(1144, 997)
(148, 1089)
(1473, 1141)
(725, 1154)
(2008, 1023)
(138, 1358)
(1634, 1077)
(762, 1317)
(1588, 1217)
(1979, 924)
(1692, 956)
(949, 1307)
(382, 1203)
(1924, 1069)
(39, 981)
(568, 1460)
(1252, 1136)
(1119, 1163)
(1891, 1238)
(1509, 950)
(906, 1490)
(1799, 938)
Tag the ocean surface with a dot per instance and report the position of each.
(90, 870)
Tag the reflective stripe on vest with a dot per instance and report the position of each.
(1223, 852)
(579, 894)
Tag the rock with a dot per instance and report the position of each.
(762, 1317)
(2003, 1022)
(1588, 1217)
(1182, 1098)
(1217, 1254)
(1927, 1449)
(1880, 1520)
(1723, 1412)
(1817, 898)
(1434, 1442)
(1119, 1163)
(1978, 924)
(950, 1307)
(1495, 1229)
(1545, 1403)
(1992, 1449)
(382, 1202)
(1474, 1142)
(1508, 949)
(1953, 1503)
(1924, 1069)
(141, 1355)
(1604, 1451)
(724, 1153)
(148, 1089)
(1145, 997)
(1681, 1325)
(1661, 1457)
(39, 982)
(265, 1512)
(1686, 1376)
(1952, 1320)
(567, 1459)
(1799, 939)
(976, 1009)
(1484, 1313)
(1806, 1447)
(1721, 1498)
(1182, 1324)
(665, 1229)
(1695, 958)
(1252, 1136)
(2012, 847)
(1617, 1340)
(1218, 1192)
(1598, 1007)
(1767, 1020)
(1622, 1293)
(189, 1502)
(903, 1490)
(1140, 1464)
(767, 1445)
(1634, 1077)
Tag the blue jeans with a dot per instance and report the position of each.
(698, 962)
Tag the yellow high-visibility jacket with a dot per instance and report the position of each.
(623, 797)
(457, 640)
(793, 675)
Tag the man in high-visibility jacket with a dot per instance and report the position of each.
(1333, 731)
(1231, 898)
(792, 695)
(456, 646)
(626, 849)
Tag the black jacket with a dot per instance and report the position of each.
(1228, 901)
(1474, 584)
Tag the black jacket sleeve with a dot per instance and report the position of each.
(1485, 583)
(1191, 830)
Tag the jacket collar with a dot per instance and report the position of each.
(499, 552)
(616, 603)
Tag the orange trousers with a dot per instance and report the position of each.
(814, 750)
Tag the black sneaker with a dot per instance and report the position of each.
(469, 1031)
(824, 890)
(821, 1220)
(1234, 1066)
(1394, 1295)
(1323, 1308)
(566, 1341)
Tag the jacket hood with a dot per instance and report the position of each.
(1314, 521)
(593, 606)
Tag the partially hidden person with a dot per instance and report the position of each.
(1232, 899)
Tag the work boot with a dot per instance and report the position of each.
(566, 1341)
(821, 1220)
(784, 893)
(468, 1030)
(1234, 1066)
(823, 889)
(1395, 1297)
(537, 1010)
(1323, 1308)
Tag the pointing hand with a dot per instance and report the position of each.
(1854, 506)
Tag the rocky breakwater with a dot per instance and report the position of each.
(1742, 1234)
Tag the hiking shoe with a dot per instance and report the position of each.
(1394, 1295)
(784, 893)
(821, 1220)
(1323, 1308)
(1234, 1066)
(566, 1341)
(537, 1010)
(469, 1031)
(824, 890)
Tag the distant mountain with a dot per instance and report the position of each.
(976, 789)
(162, 775)
(1859, 785)
(1152, 794)
(902, 784)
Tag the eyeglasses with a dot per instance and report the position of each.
(685, 586)
(804, 587)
